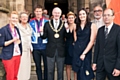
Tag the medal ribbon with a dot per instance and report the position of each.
(39, 25)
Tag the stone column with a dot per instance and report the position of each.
(42, 3)
(20, 5)
(72, 5)
(4, 21)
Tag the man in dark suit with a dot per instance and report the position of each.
(55, 32)
(107, 49)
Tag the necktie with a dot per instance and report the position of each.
(106, 33)
(56, 25)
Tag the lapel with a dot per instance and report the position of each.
(52, 23)
(103, 35)
(9, 31)
(110, 34)
(59, 24)
(18, 32)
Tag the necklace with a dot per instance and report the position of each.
(56, 35)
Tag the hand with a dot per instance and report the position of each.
(15, 39)
(82, 57)
(41, 29)
(94, 67)
(66, 25)
(116, 72)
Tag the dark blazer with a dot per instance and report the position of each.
(107, 51)
(54, 43)
(5, 35)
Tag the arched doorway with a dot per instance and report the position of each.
(50, 4)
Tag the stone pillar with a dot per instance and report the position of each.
(72, 5)
(42, 3)
(4, 21)
(20, 5)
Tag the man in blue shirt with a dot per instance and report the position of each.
(39, 44)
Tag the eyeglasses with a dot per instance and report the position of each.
(97, 11)
(107, 15)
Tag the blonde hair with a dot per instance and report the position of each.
(70, 13)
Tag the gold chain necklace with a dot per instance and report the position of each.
(56, 35)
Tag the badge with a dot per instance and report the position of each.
(56, 35)
(87, 72)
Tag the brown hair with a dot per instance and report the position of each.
(38, 6)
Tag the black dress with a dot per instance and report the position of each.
(83, 38)
(69, 49)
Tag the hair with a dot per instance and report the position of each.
(56, 8)
(98, 5)
(13, 12)
(38, 6)
(113, 13)
(22, 13)
(78, 21)
(70, 13)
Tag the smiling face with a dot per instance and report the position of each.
(71, 19)
(38, 12)
(82, 15)
(98, 12)
(23, 18)
(56, 13)
(13, 19)
(108, 16)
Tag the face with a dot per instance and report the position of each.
(82, 15)
(108, 16)
(13, 19)
(98, 12)
(38, 12)
(71, 19)
(24, 18)
(56, 13)
(45, 12)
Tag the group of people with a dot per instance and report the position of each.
(62, 42)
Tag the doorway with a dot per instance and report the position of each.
(62, 4)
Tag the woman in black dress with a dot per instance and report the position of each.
(69, 44)
(84, 35)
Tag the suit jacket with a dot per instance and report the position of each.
(5, 35)
(54, 43)
(107, 51)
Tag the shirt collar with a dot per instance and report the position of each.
(109, 27)
(101, 19)
(40, 18)
(54, 21)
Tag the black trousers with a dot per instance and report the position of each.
(101, 75)
(37, 54)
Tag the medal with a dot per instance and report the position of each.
(56, 35)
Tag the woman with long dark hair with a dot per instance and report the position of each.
(84, 37)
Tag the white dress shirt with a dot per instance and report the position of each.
(56, 23)
(109, 27)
